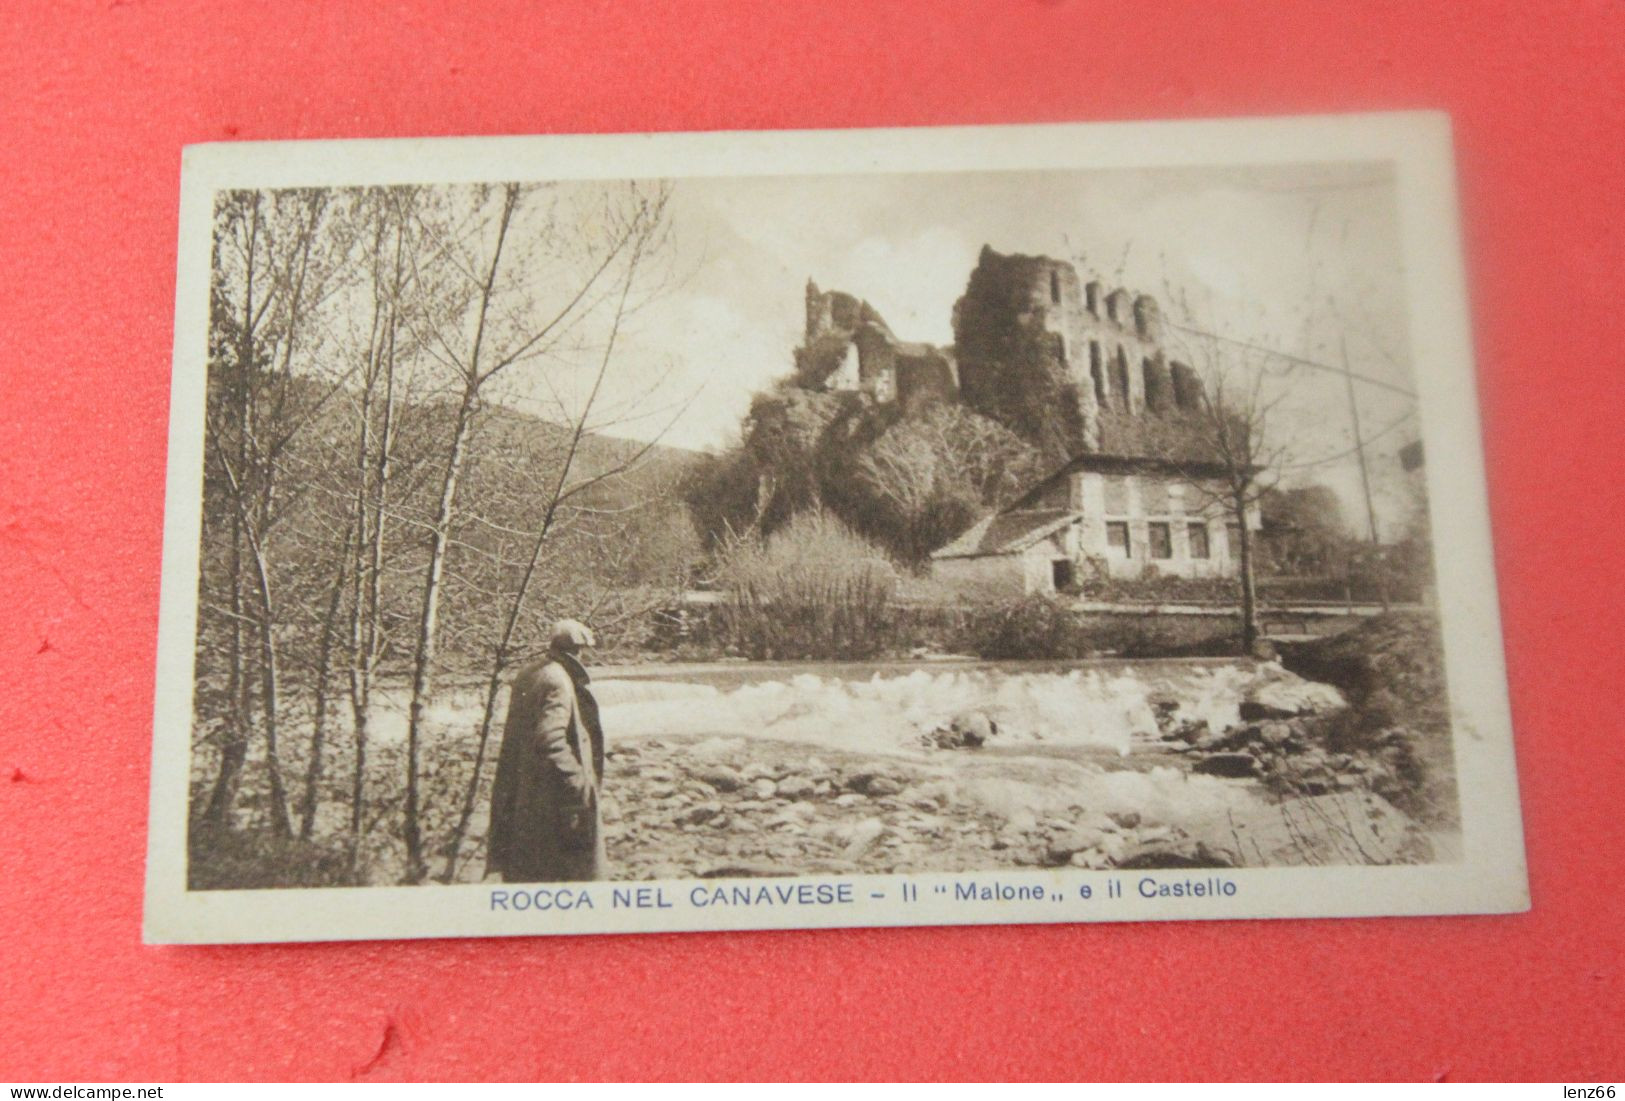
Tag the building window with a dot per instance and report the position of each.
(1156, 392)
(1161, 538)
(1055, 287)
(1117, 537)
(1199, 544)
(1061, 574)
(1120, 380)
(1233, 533)
(1097, 371)
(1187, 386)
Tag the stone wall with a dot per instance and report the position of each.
(848, 346)
(1056, 358)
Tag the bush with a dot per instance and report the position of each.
(812, 590)
(1391, 670)
(1040, 627)
(1031, 628)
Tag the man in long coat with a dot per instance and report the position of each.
(544, 801)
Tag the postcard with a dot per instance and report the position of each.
(656, 532)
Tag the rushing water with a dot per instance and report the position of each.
(1100, 706)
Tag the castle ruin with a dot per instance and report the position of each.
(1083, 372)
(848, 346)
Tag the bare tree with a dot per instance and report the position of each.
(1227, 451)
(392, 236)
(566, 486)
(272, 270)
(530, 277)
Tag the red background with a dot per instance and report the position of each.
(96, 101)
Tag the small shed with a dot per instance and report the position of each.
(1027, 550)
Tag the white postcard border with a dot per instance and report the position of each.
(1491, 878)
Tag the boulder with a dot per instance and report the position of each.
(1231, 765)
(722, 778)
(938, 792)
(862, 837)
(1125, 819)
(1186, 854)
(696, 815)
(1341, 827)
(1276, 732)
(1061, 848)
(881, 786)
(1021, 821)
(1281, 695)
(763, 788)
(1113, 846)
(716, 748)
(795, 787)
(1188, 732)
(968, 730)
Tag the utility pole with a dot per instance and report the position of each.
(1365, 475)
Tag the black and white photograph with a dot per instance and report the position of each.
(1038, 524)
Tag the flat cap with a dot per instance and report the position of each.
(571, 635)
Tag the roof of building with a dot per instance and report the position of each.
(1007, 533)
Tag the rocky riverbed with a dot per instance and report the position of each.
(722, 807)
(686, 807)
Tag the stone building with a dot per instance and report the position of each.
(1084, 372)
(1102, 516)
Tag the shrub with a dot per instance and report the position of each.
(1040, 627)
(1031, 628)
(1391, 669)
(812, 590)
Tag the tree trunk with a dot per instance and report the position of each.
(269, 688)
(428, 635)
(1249, 590)
(361, 611)
(324, 663)
(235, 752)
(428, 621)
(372, 480)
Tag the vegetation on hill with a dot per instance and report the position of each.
(909, 484)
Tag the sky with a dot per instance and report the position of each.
(1305, 260)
